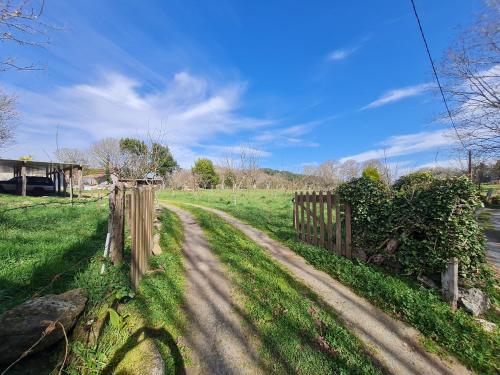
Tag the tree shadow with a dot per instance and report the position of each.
(137, 338)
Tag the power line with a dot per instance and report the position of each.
(435, 74)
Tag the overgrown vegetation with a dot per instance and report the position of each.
(401, 297)
(299, 334)
(431, 220)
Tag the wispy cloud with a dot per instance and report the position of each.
(295, 135)
(341, 54)
(229, 151)
(406, 145)
(399, 94)
(188, 110)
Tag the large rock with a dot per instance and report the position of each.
(473, 300)
(23, 325)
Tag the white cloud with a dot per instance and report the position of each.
(341, 54)
(398, 94)
(406, 145)
(189, 110)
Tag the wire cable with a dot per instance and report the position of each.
(435, 74)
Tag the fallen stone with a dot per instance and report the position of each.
(429, 283)
(473, 300)
(360, 254)
(392, 246)
(487, 326)
(156, 244)
(23, 325)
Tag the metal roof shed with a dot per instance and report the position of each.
(58, 172)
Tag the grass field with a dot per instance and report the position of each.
(404, 299)
(47, 249)
(54, 248)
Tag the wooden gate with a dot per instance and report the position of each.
(321, 219)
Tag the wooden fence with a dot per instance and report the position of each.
(321, 219)
(140, 215)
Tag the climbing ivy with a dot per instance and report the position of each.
(431, 220)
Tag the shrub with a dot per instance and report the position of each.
(372, 173)
(432, 220)
(371, 212)
(435, 222)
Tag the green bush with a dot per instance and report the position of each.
(372, 173)
(431, 219)
(371, 212)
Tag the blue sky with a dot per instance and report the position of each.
(299, 82)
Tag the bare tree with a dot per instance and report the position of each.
(8, 116)
(470, 75)
(348, 170)
(106, 154)
(71, 155)
(20, 24)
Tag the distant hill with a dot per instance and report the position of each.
(289, 176)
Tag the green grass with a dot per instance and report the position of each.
(288, 318)
(404, 299)
(45, 249)
(154, 312)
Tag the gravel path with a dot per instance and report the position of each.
(393, 343)
(493, 237)
(219, 343)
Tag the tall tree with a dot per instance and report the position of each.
(205, 174)
(470, 75)
(161, 160)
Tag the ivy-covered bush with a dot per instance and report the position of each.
(431, 220)
(371, 202)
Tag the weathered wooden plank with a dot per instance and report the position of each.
(348, 239)
(321, 220)
(302, 218)
(329, 227)
(308, 213)
(295, 214)
(116, 223)
(449, 282)
(315, 219)
(338, 224)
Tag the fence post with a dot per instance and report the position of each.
(449, 283)
(116, 223)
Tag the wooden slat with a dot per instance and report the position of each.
(338, 223)
(348, 244)
(315, 220)
(295, 214)
(308, 214)
(302, 218)
(321, 220)
(329, 227)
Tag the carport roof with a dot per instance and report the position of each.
(32, 164)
